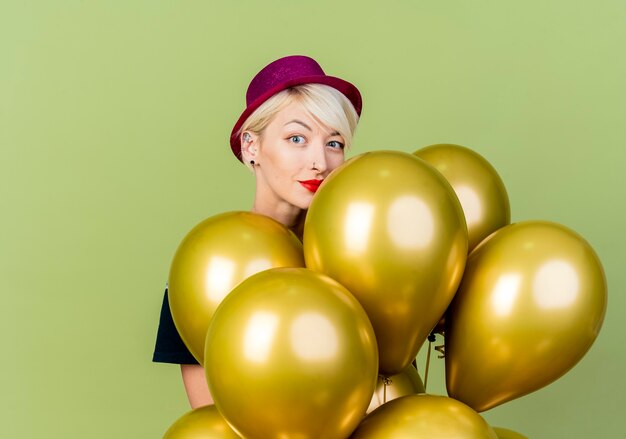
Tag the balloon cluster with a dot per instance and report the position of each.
(302, 340)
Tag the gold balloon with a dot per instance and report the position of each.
(479, 189)
(477, 184)
(505, 433)
(201, 423)
(217, 255)
(389, 227)
(531, 303)
(407, 382)
(292, 354)
(424, 416)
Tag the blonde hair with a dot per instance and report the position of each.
(323, 102)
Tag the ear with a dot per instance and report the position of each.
(249, 146)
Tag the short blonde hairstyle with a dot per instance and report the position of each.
(323, 102)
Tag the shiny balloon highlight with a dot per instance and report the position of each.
(424, 416)
(531, 303)
(389, 227)
(476, 183)
(217, 255)
(291, 353)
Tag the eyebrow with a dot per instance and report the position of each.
(299, 122)
(334, 133)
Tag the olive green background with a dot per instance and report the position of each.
(114, 125)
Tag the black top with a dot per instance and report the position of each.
(169, 347)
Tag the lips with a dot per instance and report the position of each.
(311, 185)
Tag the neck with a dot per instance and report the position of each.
(266, 203)
(286, 215)
(294, 221)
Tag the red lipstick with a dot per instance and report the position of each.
(311, 185)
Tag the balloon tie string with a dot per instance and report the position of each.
(442, 350)
(386, 382)
(431, 339)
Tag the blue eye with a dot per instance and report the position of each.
(297, 139)
(335, 144)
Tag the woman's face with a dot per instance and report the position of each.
(293, 155)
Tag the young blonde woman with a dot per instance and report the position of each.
(292, 134)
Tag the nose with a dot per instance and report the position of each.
(318, 161)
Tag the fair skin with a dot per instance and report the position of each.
(295, 147)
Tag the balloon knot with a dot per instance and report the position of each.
(442, 350)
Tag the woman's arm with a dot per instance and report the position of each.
(195, 385)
